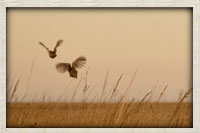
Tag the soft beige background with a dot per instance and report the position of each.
(156, 42)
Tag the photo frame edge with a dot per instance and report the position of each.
(195, 4)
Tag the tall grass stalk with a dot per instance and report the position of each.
(104, 85)
(125, 94)
(15, 89)
(66, 88)
(29, 79)
(161, 94)
(130, 83)
(178, 107)
(115, 87)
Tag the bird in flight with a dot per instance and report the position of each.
(72, 69)
(52, 54)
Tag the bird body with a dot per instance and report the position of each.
(73, 72)
(52, 54)
(72, 69)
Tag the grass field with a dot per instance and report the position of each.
(99, 115)
(135, 113)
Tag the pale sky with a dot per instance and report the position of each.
(156, 42)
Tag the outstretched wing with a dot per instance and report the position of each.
(58, 44)
(63, 67)
(79, 62)
(44, 46)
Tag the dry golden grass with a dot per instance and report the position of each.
(142, 113)
(98, 115)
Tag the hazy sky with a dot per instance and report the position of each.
(156, 42)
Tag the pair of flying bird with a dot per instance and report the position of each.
(63, 67)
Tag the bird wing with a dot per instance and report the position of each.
(44, 46)
(79, 62)
(58, 44)
(63, 67)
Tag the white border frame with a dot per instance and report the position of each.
(195, 4)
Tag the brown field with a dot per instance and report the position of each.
(99, 114)
(135, 113)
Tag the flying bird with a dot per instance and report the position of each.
(52, 54)
(72, 69)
